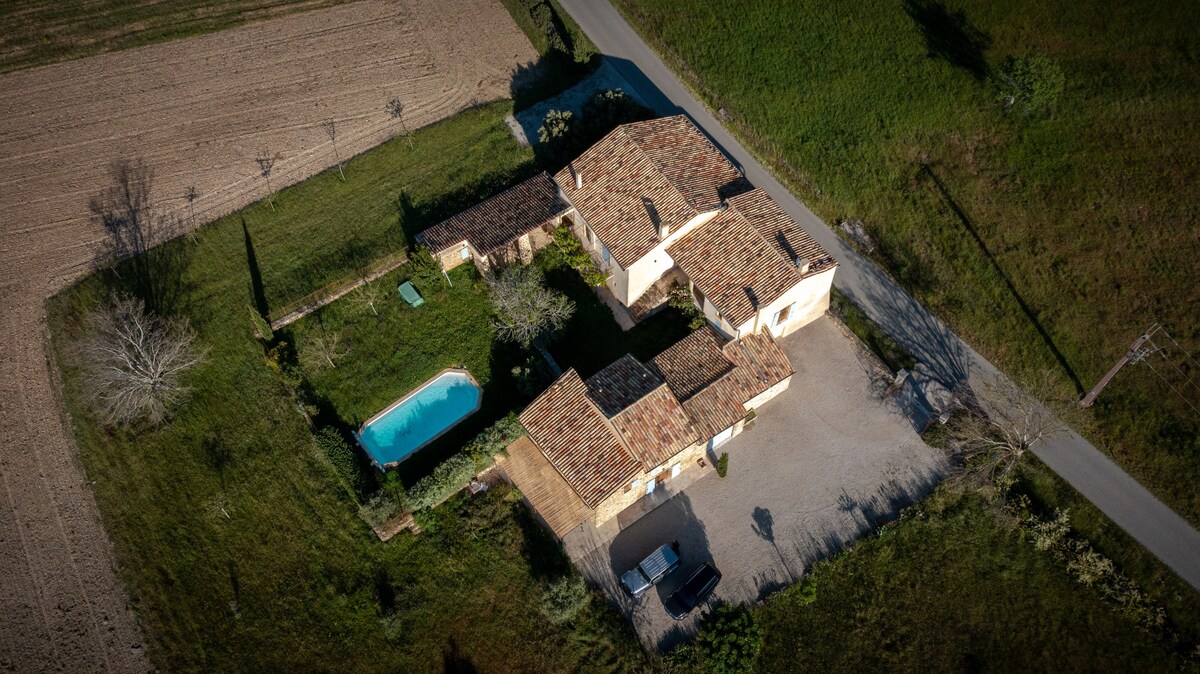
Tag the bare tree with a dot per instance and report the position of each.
(395, 109)
(190, 194)
(1001, 421)
(133, 228)
(266, 163)
(135, 361)
(331, 130)
(527, 312)
(369, 295)
(323, 349)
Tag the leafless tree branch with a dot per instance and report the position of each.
(526, 310)
(135, 361)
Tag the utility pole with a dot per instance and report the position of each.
(1135, 354)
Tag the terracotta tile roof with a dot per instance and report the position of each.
(693, 363)
(761, 361)
(744, 257)
(781, 231)
(578, 440)
(642, 410)
(714, 378)
(621, 384)
(501, 219)
(551, 497)
(662, 165)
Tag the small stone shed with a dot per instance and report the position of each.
(506, 228)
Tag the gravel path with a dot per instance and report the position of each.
(198, 110)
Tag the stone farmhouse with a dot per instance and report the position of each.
(656, 204)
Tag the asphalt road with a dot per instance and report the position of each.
(1167, 535)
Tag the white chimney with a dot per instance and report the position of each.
(664, 230)
(578, 176)
(802, 264)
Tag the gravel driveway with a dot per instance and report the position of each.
(825, 461)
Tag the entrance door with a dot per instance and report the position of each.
(720, 438)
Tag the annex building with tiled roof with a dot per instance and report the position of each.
(502, 229)
(632, 426)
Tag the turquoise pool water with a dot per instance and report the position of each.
(397, 432)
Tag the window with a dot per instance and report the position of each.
(784, 313)
(675, 469)
(591, 237)
(465, 253)
(604, 253)
(636, 484)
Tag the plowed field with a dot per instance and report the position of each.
(198, 111)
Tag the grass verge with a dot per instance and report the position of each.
(1046, 241)
(239, 547)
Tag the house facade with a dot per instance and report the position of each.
(598, 445)
(656, 202)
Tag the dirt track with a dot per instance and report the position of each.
(199, 111)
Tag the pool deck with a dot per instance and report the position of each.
(404, 399)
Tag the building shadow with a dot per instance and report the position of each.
(1030, 314)
(950, 37)
(672, 522)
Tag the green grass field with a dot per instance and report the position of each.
(1085, 219)
(949, 589)
(236, 543)
(38, 32)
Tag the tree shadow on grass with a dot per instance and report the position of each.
(1029, 312)
(950, 37)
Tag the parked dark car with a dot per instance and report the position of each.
(694, 590)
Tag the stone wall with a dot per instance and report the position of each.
(622, 499)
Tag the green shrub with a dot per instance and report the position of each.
(494, 439)
(564, 598)
(568, 251)
(261, 327)
(1031, 84)
(424, 269)
(341, 455)
(447, 478)
(378, 509)
(606, 110)
(723, 464)
(679, 297)
(729, 639)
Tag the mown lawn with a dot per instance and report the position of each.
(949, 589)
(887, 111)
(37, 32)
(236, 542)
(389, 354)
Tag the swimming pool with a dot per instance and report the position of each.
(415, 420)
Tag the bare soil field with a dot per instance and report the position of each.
(198, 111)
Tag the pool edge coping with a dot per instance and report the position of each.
(401, 400)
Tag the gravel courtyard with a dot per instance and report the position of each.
(825, 461)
